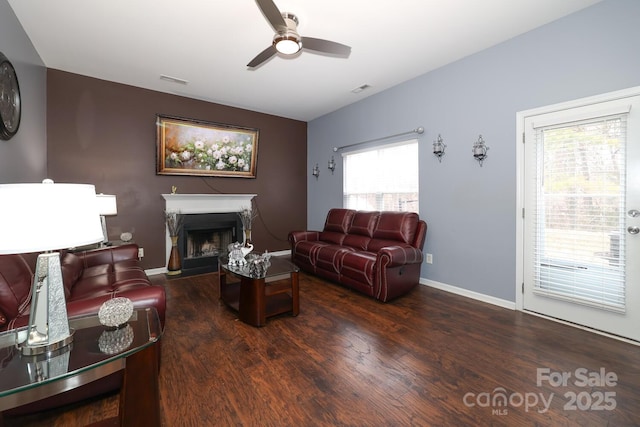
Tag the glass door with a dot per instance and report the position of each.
(582, 213)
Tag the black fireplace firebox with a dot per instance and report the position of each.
(203, 238)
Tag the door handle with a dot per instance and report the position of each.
(633, 213)
(633, 230)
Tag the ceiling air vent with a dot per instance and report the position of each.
(173, 79)
(361, 88)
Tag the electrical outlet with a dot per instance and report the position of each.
(140, 253)
(429, 258)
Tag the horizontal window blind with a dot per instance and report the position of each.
(580, 212)
(382, 178)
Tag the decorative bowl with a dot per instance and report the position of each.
(115, 312)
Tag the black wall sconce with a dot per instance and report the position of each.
(316, 171)
(480, 150)
(332, 165)
(438, 148)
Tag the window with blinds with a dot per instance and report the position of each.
(382, 178)
(580, 212)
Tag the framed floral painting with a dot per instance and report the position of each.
(195, 147)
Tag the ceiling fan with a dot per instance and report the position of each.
(287, 41)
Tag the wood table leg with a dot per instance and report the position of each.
(295, 295)
(139, 396)
(222, 284)
(252, 307)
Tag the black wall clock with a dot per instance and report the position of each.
(10, 107)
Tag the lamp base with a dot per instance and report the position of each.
(48, 328)
(35, 349)
(103, 222)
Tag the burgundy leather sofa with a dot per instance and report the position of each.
(377, 253)
(90, 278)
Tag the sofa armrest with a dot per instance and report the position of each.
(301, 236)
(108, 255)
(393, 256)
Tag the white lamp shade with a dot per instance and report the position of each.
(48, 216)
(107, 204)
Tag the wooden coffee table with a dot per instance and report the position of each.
(257, 298)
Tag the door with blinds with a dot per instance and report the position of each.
(582, 215)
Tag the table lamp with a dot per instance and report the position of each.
(45, 218)
(106, 206)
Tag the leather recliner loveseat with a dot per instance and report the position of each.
(377, 253)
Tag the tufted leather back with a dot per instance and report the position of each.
(400, 226)
(364, 223)
(15, 286)
(339, 220)
(71, 271)
(361, 229)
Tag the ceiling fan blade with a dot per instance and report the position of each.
(326, 46)
(262, 56)
(273, 15)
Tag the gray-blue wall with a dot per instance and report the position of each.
(471, 210)
(24, 157)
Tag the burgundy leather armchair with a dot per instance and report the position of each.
(377, 253)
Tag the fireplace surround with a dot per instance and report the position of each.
(210, 220)
(204, 237)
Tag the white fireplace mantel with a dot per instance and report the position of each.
(204, 203)
(207, 203)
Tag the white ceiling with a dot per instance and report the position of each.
(209, 42)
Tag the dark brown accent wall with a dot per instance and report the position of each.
(104, 133)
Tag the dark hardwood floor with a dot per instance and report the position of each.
(427, 359)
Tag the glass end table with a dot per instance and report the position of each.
(94, 353)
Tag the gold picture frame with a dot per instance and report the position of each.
(201, 148)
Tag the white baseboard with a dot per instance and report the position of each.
(281, 253)
(469, 294)
(153, 271)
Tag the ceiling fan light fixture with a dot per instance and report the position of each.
(287, 43)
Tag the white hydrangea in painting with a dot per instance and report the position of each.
(193, 147)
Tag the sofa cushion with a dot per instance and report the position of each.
(132, 264)
(96, 270)
(16, 280)
(89, 286)
(376, 244)
(330, 257)
(71, 271)
(332, 237)
(398, 226)
(358, 265)
(306, 253)
(339, 220)
(364, 223)
(356, 241)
